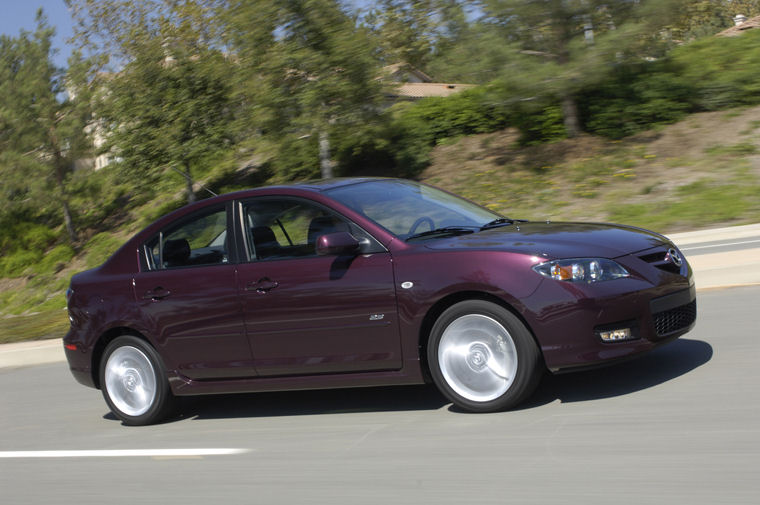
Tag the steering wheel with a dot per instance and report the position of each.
(419, 221)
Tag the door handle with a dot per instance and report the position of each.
(263, 285)
(156, 294)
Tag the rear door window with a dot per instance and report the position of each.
(199, 240)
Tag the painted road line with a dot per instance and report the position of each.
(124, 453)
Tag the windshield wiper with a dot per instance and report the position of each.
(446, 230)
(502, 221)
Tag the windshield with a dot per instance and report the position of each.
(409, 209)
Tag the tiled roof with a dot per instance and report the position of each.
(737, 30)
(428, 89)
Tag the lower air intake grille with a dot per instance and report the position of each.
(670, 321)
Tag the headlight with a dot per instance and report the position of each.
(582, 270)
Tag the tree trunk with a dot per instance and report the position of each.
(189, 184)
(59, 168)
(570, 116)
(68, 221)
(325, 163)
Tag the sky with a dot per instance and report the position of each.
(16, 15)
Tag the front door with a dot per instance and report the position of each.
(309, 314)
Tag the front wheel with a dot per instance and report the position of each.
(133, 381)
(482, 357)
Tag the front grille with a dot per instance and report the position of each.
(660, 260)
(673, 320)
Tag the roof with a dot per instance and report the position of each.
(737, 30)
(428, 89)
(411, 83)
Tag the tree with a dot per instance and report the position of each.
(561, 46)
(41, 129)
(404, 31)
(310, 73)
(167, 102)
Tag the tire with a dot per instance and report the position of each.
(482, 357)
(133, 381)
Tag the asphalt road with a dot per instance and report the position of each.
(679, 425)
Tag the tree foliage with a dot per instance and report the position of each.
(312, 74)
(166, 104)
(41, 130)
(560, 47)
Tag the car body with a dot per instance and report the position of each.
(366, 282)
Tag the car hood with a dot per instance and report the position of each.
(556, 240)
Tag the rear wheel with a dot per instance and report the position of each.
(133, 380)
(482, 357)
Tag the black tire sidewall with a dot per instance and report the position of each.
(528, 356)
(163, 400)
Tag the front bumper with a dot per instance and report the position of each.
(566, 317)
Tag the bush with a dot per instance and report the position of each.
(725, 71)
(635, 98)
(466, 113)
(539, 123)
(404, 143)
(56, 259)
(15, 263)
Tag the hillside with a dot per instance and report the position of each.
(702, 172)
(698, 173)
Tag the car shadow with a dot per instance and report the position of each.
(661, 365)
(657, 367)
(304, 403)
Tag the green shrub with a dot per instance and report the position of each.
(725, 71)
(466, 113)
(402, 145)
(25, 235)
(56, 259)
(635, 98)
(539, 123)
(15, 263)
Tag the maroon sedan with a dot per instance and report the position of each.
(366, 282)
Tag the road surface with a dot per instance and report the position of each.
(678, 426)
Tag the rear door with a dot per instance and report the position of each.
(189, 301)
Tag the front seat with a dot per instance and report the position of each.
(264, 242)
(176, 252)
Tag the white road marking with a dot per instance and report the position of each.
(123, 453)
(687, 248)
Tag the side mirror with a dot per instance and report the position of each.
(337, 244)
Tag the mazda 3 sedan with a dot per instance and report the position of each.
(366, 282)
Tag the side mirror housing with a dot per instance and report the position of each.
(337, 244)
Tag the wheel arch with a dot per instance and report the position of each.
(452, 299)
(106, 338)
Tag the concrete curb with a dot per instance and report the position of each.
(35, 352)
(714, 235)
(711, 271)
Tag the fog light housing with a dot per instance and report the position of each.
(618, 332)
